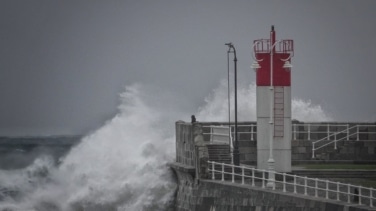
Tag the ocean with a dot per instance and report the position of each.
(120, 166)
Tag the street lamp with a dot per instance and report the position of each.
(236, 158)
(255, 65)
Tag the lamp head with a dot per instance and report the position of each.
(255, 65)
(287, 66)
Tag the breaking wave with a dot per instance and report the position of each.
(122, 165)
(216, 106)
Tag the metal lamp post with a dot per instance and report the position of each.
(236, 158)
(255, 65)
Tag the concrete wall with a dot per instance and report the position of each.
(207, 195)
(302, 151)
(185, 149)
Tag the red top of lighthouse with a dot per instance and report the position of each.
(277, 52)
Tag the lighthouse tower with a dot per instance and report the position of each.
(273, 80)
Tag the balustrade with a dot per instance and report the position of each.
(310, 131)
(314, 187)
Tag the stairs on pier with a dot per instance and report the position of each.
(219, 153)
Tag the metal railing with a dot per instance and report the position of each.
(335, 136)
(331, 142)
(314, 187)
(219, 134)
(250, 129)
(330, 128)
(311, 131)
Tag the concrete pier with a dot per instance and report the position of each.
(198, 191)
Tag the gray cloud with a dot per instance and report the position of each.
(63, 64)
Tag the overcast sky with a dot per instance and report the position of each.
(64, 63)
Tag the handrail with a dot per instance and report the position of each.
(315, 187)
(252, 131)
(335, 139)
(310, 126)
(310, 130)
(227, 134)
(335, 142)
(213, 132)
(334, 134)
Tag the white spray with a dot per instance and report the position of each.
(216, 107)
(122, 165)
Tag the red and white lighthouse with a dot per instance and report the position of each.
(273, 80)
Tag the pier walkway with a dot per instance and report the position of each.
(208, 181)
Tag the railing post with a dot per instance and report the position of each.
(294, 183)
(242, 175)
(223, 172)
(316, 186)
(284, 181)
(251, 132)
(360, 195)
(328, 132)
(371, 197)
(233, 174)
(337, 191)
(313, 149)
(335, 141)
(357, 132)
(253, 177)
(232, 133)
(327, 189)
(348, 131)
(348, 193)
(295, 131)
(211, 134)
(309, 132)
(305, 185)
(213, 177)
(263, 179)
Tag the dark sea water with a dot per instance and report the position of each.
(20, 152)
(35, 172)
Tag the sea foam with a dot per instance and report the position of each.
(123, 164)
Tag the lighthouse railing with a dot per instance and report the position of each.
(290, 183)
(265, 46)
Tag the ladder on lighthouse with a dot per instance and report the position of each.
(279, 111)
